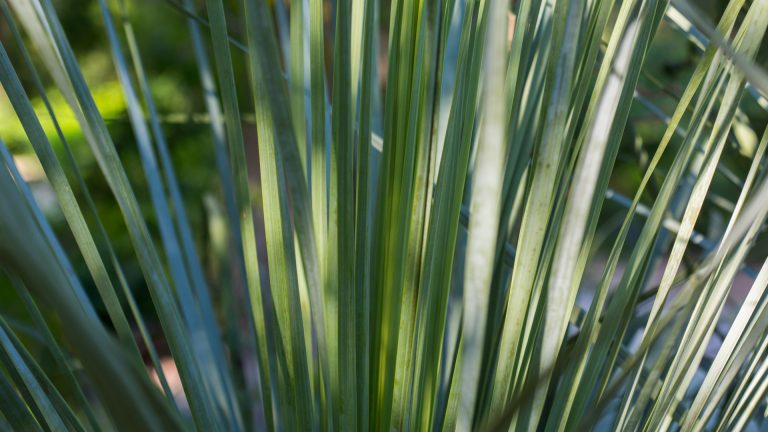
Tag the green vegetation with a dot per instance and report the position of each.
(536, 215)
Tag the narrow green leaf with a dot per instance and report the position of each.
(281, 150)
(225, 75)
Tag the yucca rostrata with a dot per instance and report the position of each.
(428, 226)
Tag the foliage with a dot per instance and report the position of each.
(424, 239)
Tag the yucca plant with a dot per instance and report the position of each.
(464, 239)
